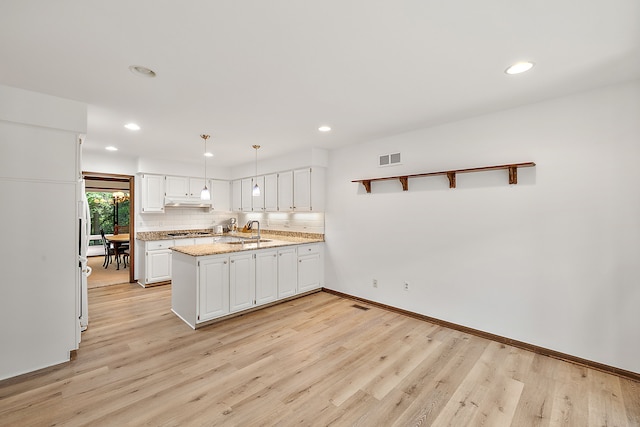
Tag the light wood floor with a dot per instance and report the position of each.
(315, 361)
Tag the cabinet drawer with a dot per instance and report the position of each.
(159, 244)
(308, 249)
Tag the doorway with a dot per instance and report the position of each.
(111, 203)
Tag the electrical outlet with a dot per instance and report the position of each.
(406, 286)
(375, 283)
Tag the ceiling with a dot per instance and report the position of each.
(271, 72)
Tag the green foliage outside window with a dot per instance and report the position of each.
(104, 215)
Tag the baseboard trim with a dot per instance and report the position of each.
(515, 343)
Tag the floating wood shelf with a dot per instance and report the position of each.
(451, 175)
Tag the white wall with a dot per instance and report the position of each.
(552, 261)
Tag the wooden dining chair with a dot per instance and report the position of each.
(109, 250)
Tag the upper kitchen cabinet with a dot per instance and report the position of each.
(152, 193)
(220, 195)
(300, 190)
(236, 195)
(257, 202)
(270, 191)
(246, 195)
(285, 191)
(177, 186)
(184, 187)
(308, 190)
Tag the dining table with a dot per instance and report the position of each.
(118, 240)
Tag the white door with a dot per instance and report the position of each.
(285, 191)
(258, 201)
(308, 272)
(266, 276)
(287, 272)
(271, 193)
(242, 281)
(195, 187)
(158, 266)
(247, 187)
(177, 186)
(220, 195)
(302, 190)
(236, 195)
(152, 193)
(213, 290)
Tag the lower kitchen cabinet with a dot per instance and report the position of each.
(287, 272)
(310, 267)
(213, 288)
(242, 281)
(156, 267)
(266, 276)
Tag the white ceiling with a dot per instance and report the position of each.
(270, 72)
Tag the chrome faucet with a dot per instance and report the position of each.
(257, 222)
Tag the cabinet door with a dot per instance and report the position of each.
(220, 195)
(309, 272)
(266, 276)
(302, 189)
(285, 191)
(195, 187)
(287, 272)
(177, 186)
(247, 187)
(213, 288)
(157, 266)
(271, 193)
(236, 195)
(242, 281)
(152, 193)
(258, 201)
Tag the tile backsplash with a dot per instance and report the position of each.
(182, 219)
(190, 218)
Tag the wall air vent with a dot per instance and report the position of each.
(389, 159)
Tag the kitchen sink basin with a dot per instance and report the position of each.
(248, 241)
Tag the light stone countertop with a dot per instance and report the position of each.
(275, 241)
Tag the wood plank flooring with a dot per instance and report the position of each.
(314, 361)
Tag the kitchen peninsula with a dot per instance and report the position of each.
(237, 274)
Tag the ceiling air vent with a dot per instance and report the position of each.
(389, 159)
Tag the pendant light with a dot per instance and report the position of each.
(256, 189)
(205, 194)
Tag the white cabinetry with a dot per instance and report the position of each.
(285, 191)
(310, 268)
(152, 193)
(242, 281)
(157, 262)
(258, 201)
(287, 272)
(266, 276)
(220, 195)
(246, 195)
(302, 190)
(177, 187)
(271, 192)
(213, 288)
(195, 187)
(236, 195)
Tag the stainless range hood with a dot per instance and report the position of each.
(187, 203)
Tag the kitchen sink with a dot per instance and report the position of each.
(248, 241)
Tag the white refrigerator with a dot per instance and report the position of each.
(84, 271)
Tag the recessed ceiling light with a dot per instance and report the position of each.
(111, 148)
(142, 71)
(208, 154)
(324, 128)
(519, 67)
(132, 126)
